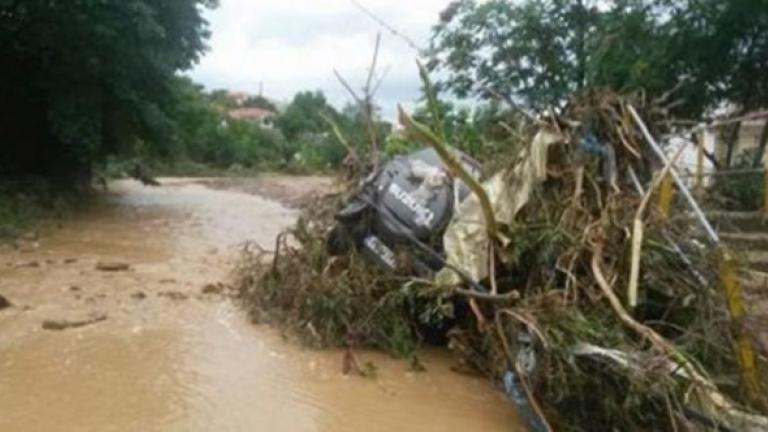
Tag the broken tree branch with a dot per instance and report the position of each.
(365, 103)
(423, 134)
(342, 139)
(637, 228)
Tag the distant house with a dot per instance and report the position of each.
(263, 117)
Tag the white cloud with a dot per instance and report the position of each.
(293, 45)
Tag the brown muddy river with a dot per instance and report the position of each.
(169, 357)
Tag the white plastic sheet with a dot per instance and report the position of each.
(466, 239)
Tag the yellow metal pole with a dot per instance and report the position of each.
(729, 279)
(665, 196)
(745, 352)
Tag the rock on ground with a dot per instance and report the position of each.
(67, 324)
(112, 266)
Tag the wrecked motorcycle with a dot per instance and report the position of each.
(397, 219)
(403, 206)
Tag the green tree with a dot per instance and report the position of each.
(476, 130)
(259, 101)
(531, 51)
(304, 115)
(207, 135)
(354, 126)
(221, 99)
(726, 52)
(538, 52)
(199, 123)
(83, 78)
(310, 137)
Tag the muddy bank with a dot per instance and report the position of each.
(291, 191)
(172, 353)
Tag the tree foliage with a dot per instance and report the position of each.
(259, 101)
(84, 78)
(303, 115)
(476, 131)
(302, 138)
(305, 124)
(537, 52)
(206, 134)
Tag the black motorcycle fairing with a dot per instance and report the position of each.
(407, 203)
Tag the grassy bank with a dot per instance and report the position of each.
(25, 204)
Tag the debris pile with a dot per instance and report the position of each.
(333, 302)
(600, 309)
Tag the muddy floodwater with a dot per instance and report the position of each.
(174, 353)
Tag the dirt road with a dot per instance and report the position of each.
(121, 322)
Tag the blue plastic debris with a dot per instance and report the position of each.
(590, 144)
(514, 391)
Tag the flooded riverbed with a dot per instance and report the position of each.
(174, 354)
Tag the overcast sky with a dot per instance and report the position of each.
(294, 45)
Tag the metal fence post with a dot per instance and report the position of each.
(765, 188)
(728, 275)
(700, 141)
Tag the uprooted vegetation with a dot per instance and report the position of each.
(332, 302)
(675, 358)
